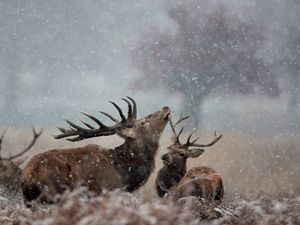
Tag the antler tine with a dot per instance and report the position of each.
(36, 135)
(179, 134)
(181, 118)
(110, 117)
(172, 127)
(216, 139)
(188, 143)
(74, 130)
(89, 116)
(88, 125)
(176, 136)
(1, 140)
(134, 110)
(129, 108)
(119, 110)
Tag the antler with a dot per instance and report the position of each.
(1, 139)
(176, 136)
(190, 143)
(35, 137)
(82, 133)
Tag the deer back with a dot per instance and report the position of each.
(203, 182)
(52, 172)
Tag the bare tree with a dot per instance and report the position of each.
(212, 48)
(290, 54)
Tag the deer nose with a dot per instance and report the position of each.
(164, 157)
(166, 108)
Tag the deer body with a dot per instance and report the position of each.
(52, 172)
(128, 166)
(10, 171)
(173, 177)
(203, 182)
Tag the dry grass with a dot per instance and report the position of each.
(261, 177)
(82, 208)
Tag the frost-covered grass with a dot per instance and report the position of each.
(82, 208)
(261, 176)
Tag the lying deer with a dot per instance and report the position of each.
(9, 166)
(203, 182)
(127, 166)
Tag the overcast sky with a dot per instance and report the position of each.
(58, 57)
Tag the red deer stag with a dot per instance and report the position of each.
(9, 166)
(200, 181)
(128, 166)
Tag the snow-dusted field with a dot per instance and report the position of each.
(261, 177)
(82, 208)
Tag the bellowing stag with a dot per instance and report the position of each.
(127, 166)
(173, 177)
(9, 166)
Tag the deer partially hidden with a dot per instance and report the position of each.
(9, 167)
(127, 166)
(173, 177)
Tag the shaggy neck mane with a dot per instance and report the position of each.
(134, 161)
(176, 171)
(168, 177)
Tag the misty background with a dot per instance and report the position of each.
(59, 57)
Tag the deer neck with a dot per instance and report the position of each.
(135, 160)
(168, 177)
(176, 172)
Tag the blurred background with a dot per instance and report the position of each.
(232, 65)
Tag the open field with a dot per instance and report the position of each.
(261, 176)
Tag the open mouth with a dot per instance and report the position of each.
(166, 162)
(167, 116)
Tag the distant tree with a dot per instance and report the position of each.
(290, 54)
(211, 49)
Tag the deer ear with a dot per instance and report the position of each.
(194, 153)
(126, 133)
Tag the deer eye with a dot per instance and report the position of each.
(143, 122)
(181, 154)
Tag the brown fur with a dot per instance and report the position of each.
(203, 182)
(128, 166)
(9, 166)
(9, 175)
(54, 171)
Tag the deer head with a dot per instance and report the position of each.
(179, 152)
(9, 166)
(149, 128)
